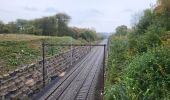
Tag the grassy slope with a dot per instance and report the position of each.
(18, 50)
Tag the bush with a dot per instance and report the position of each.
(148, 75)
(145, 76)
(118, 57)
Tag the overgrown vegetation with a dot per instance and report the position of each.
(139, 62)
(19, 50)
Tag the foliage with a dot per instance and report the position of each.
(83, 33)
(144, 22)
(56, 25)
(121, 30)
(88, 35)
(144, 73)
(162, 10)
(143, 76)
(147, 33)
(62, 22)
(117, 60)
(147, 75)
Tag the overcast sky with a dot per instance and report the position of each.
(103, 15)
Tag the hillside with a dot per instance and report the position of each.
(17, 50)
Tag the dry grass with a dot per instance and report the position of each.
(20, 37)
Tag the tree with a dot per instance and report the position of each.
(56, 25)
(88, 35)
(144, 22)
(1, 27)
(162, 10)
(45, 25)
(12, 27)
(74, 32)
(121, 30)
(62, 23)
(21, 24)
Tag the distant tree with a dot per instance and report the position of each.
(74, 32)
(62, 24)
(32, 30)
(121, 30)
(46, 25)
(88, 35)
(12, 27)
(1, 27)
(21, 24)
(56, 25)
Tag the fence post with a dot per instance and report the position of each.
(43, 61)
(104, 59)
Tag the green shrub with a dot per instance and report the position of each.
(118, 57)
(144, 76)
(148, 75)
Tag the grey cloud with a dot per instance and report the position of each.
(51, 10)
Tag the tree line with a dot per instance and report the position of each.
(56, 25)
(152, 25)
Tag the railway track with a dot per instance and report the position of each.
(78, 83)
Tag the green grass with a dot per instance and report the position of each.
(19, 50)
